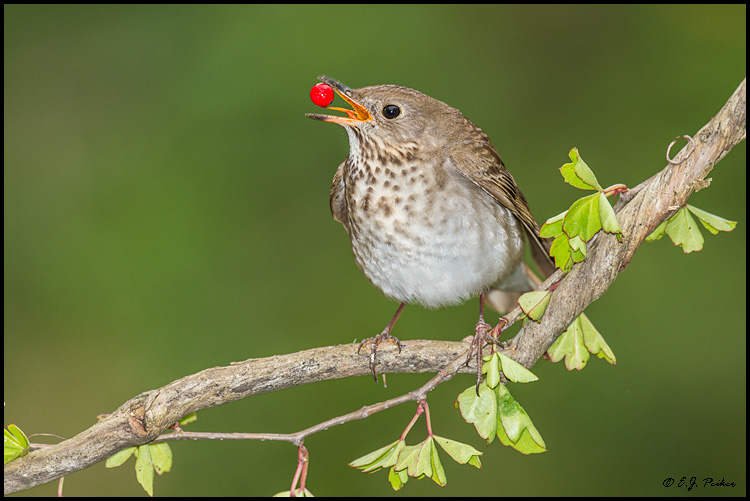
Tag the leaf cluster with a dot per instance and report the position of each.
(578, 225)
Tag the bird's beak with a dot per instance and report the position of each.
(353, 117)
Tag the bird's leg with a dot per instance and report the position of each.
(383, 336)
(480, 337)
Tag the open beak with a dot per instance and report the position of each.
(353, 117)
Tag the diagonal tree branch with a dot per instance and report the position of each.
(141, 419)
(647, 205)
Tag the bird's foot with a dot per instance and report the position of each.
(374, 342)
(483, 333)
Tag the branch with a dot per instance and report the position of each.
(639, 213)
(141, 419)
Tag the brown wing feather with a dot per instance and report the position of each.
(337, 200)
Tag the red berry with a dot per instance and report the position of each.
(321, 94)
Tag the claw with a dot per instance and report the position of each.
(480, 337)
(480, 332)
(374, 342)
(383, 336)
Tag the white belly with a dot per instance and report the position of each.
(440, 253)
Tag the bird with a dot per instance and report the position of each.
(432, 213)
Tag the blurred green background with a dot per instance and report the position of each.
(166, 210)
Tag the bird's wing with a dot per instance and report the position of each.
(338, 200)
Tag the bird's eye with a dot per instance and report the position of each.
(391, 111)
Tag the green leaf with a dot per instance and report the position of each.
(570, 345)
(578, 174)
(381, 458)
(594, 341)
(397, 478)
(193, 416)
(683, 231)
(149, 458)
(422, 460)
(512, 370)
(19, 436)
(515, 371)
(658, 232)
(712, 222)
(460, 452)
(560, 250)
(577, 249)
(425, 461)
(575, 344)
(144, 469)
(576, 226)
(583, 218)
(509, 421)
(516, 428)
(438, 472)
(161, 457)
(118, 458)
(553, 226)
(530, 442)
(534, 304)
(608, 218)
(15, 443)
(409, 460)
(491, 367)
(481, 411)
